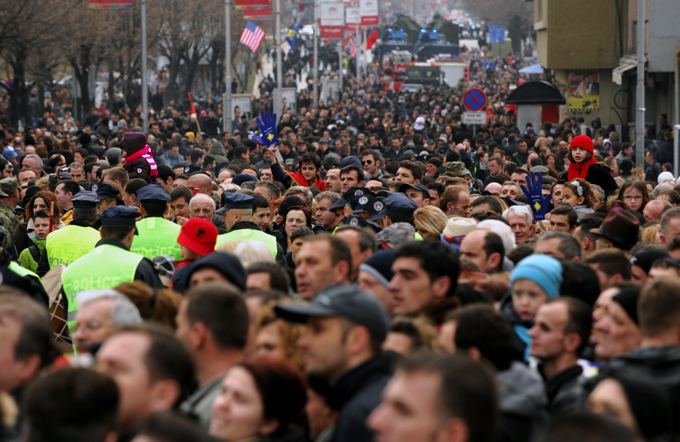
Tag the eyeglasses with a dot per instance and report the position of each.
(633, 198)
(367, 162)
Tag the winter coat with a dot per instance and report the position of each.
(522, 403)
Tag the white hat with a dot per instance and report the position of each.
(665, 176)
(420, 123)
(459, 226)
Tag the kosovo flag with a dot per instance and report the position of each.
(291, 38)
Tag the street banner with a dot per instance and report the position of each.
(110, 4)
(369, 12)
(331, 20)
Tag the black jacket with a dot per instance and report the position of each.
(565, 391)
(600, 175)
(657, 364)
(355, 396)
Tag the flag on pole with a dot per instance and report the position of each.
(252, 36)
(372, 39)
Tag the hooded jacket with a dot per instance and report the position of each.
(659, 364)
(218, 152)
(522, 403)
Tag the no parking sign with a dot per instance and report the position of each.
(474, 100)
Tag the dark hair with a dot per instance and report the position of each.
(221, 309)
(480, 326)
(565, 209)
(436, 259)
(310, 157)
(580, 281)
(352, 167)
(180, 192)
(301, 232)
(611, 262)
(414, 166)
(154, 208)
(165, 172)
(167, 358)
(260, 202)
(634, 184)
(493, 243)
(117, 233)
(278, 278)
(71, 405)
(134, 185)
(70, 186)
(492, 201)
(466, 390)
(36, 337)
(339, 249)
(585, 426)
(196, 154)
(579, 319)
(170, 426)
(282, 390)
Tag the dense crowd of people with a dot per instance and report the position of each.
(367, 270)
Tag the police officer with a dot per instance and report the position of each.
(237, 209)
(157, 236)
(110, 263)
(9, 197)
(65, 245)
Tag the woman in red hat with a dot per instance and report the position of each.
(584, 165)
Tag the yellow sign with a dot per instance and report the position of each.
(583, 91)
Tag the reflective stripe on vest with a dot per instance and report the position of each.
(104, 267)
(157, 237)
(69, 243)
(22, 271)
(241, 235)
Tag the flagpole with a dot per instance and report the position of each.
(145, 86)
(277, 36)
(226, 108)
(357, 43)
(340, 65)
(315, 99)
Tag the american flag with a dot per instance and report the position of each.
(252, 36)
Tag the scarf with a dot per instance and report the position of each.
(580, 170)
(145, 153)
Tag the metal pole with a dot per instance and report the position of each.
(315, 98)
(640, 90)
(145, 85)
(277, 36)
(340, 66)
(358, 47)
(676, 150)
(226, 104)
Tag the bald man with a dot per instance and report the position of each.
(654, 209)
(200, 183)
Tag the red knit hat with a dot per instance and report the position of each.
(198, 235)
(582, 141)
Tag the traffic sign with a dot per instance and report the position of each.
(474, 118)
(474, 100)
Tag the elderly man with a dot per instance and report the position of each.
(99, 313)
(520, 219)
(202, 206)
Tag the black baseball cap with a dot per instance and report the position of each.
(346, 301)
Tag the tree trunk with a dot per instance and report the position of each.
(18, 92)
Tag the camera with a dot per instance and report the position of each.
(64, 173)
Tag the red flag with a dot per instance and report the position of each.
(371, 39)
(192, 106)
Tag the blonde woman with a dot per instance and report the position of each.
(430, 222)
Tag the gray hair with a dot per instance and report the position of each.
(201, 198)
(519, 211)
(124, 312)
(569, 246)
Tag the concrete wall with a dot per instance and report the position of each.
(577, 34)
(613, 98)
(663, 34)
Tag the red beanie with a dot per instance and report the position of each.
(198, 235)
(582, 141)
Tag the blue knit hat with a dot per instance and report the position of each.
(544, 270)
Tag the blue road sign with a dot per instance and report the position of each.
(474, 100)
